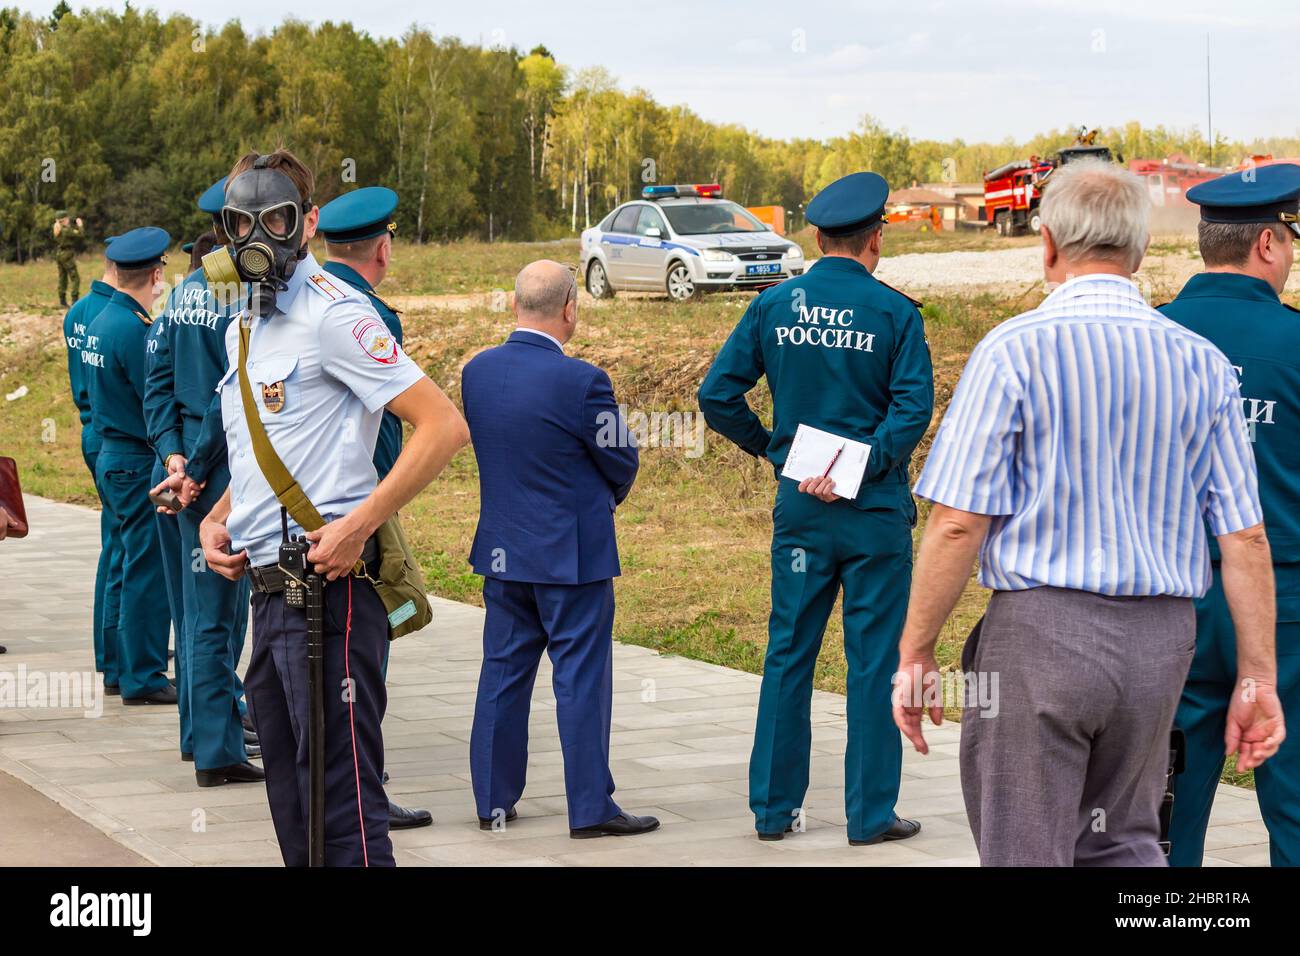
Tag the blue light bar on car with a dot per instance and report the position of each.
(658, 192)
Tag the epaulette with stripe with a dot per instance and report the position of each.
(322, 284)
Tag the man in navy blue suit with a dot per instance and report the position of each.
(555, 459)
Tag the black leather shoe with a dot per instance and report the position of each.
(254, 751)
(112, 690)
(485, 823)
(165, 696)
(405, 818)
(250, 737)
(773, 837)
(248, 723)
(625, 824)
(236, 773)
(900, 830)
(187, 756)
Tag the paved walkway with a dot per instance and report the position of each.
(680, 745)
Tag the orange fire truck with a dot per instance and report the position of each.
(1013, 191)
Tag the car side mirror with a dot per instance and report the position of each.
(653, 233)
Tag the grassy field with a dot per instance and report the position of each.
(693, 534)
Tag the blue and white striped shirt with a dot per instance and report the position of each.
(1102, 437)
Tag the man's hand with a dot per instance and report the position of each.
(185, 488)
(336, 548)
(215, 540)
(917, 689)
(821, 488)
(1255, 728)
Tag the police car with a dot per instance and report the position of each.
(686, 240)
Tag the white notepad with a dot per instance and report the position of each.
(812, 450)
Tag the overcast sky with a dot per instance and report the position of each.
(979, 70)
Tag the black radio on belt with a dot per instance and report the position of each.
(293, 562)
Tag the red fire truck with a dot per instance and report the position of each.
(1169, 179)
(1013, 191)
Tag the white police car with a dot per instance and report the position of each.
(685, 240)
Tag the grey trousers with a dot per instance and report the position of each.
(1071, 769)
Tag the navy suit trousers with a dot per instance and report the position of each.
(573, 624)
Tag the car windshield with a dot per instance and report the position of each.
(697, 219)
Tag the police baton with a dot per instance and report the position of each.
(316, 726)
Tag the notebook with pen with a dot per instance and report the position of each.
(814, 450)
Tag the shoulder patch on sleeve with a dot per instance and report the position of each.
(321, 283)
(375, 340)
(916, 302)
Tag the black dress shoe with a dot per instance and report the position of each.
(406, 818)
(250, 737)
(187, 756)
(900, 830)
(254, 751)
(112, 690)
(625, 824)
(165, 696)
(486, 823)
(773, 837)
(236, 773)
(248, 723)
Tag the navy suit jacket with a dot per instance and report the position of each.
(554, 460)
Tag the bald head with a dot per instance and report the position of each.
(546, 298)
(543, 288)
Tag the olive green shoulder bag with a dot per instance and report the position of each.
(400, 583)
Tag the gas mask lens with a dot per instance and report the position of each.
(280, 222)
(237, 223)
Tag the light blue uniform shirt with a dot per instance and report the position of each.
(1101, 436)
(322, 368)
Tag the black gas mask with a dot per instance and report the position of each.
(264, 219)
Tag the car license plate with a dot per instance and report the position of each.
(763, 269)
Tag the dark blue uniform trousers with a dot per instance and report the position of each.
(169, 543)
(356, 808)
(1202, 716)
(216, 617)
(817, 548)
(574, 624)
(108, 574)
(142, 621)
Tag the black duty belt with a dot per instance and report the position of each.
(269, 579)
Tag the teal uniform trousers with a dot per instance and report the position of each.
(169, 547)
(819, 549)
(1202, 716)
(142, 621)
(108, 571)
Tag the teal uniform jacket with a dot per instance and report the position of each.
(389, 443)
(75, 326)
(845, 353)
(108, 572)
(1260, 335)
(117, 340)
(183, 415)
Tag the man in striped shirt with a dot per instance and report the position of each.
(1087, 445)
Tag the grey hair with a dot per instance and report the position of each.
(543, 288)
(1097, 210)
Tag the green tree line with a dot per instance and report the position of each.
(125, 118)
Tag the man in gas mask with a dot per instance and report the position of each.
(321, 368)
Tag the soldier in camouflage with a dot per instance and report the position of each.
(68, 238)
